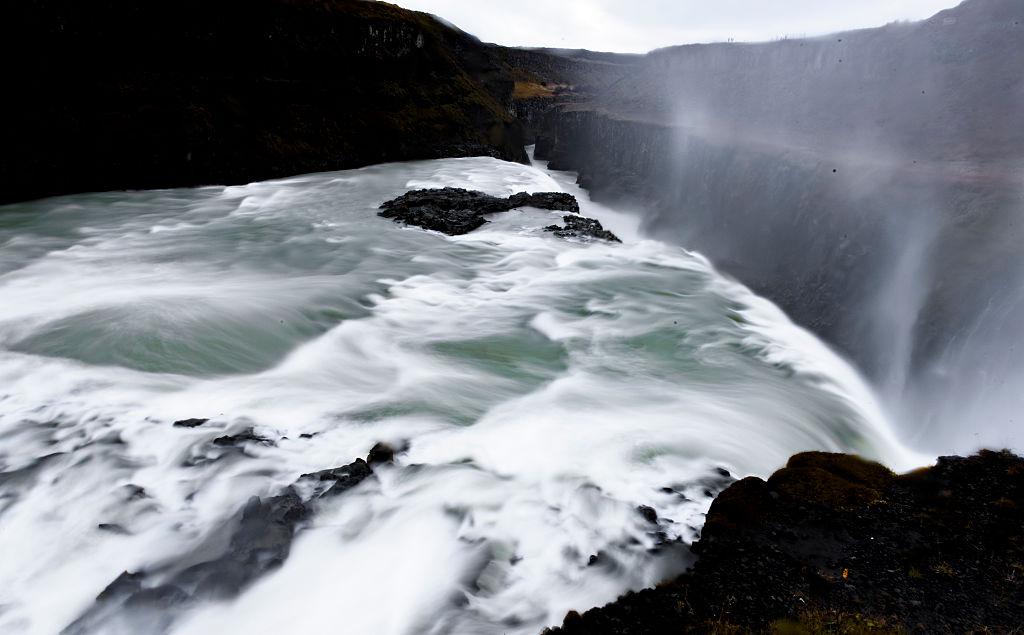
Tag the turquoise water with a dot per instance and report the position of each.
(544, 387)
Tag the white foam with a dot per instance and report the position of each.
(547, 388)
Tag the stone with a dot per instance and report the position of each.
(456, 211)
(582, 227)
(835, 543)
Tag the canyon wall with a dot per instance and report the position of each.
(868, 182)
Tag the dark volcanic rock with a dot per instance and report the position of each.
(450, 210)
(382, 453)
(456, 211)
(834, 543)
(581, 227)
(342, 479)
(446, 198)
(261, 536)
(740, 151)
(648, 513)
(189, 423)
(559, 201)
(246, 436)
(122, 94)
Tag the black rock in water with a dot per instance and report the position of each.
(261, 535)
(455, 211)
(648, 513)
(582, 227)
(559, 201)
(382, 453)
(343, 478)
(189, 423)
(123, 584)
(833, 543)
(236, 91)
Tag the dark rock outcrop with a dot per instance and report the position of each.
(119, 94)
(557, 201)
(449, 210)
(259, 540)
(456, 211)
(189, 423)
(245, 436)
(341, 479)
(835, 543)
(580, 227)
(383, 453)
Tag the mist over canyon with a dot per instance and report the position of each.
(869, 182)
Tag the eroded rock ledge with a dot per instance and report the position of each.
(833, 543)
(455, 211)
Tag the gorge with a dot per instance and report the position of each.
(324, 314)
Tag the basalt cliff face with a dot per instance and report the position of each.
(868, 182)
(833, 543)
(121, 95)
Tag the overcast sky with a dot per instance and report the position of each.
(641, 25)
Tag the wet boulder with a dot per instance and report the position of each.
(835, 543)
(582, 227)
(260, 537)
(558, 201)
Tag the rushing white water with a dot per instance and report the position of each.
(546, 388)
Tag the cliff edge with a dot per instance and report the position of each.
(833, 543)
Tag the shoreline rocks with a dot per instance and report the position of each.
(835, 543)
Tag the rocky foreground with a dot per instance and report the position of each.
(257, 540)
(833, 543)
(830, 543)
(455, 211)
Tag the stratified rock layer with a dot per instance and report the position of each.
(832, 543)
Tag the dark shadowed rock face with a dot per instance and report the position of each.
(342, 479)
(119, 94)
(834, 543)
(455, 211)
(580, 227)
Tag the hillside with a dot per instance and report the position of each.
(867, 182)
(121, 95)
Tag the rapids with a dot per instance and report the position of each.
(545, 388)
